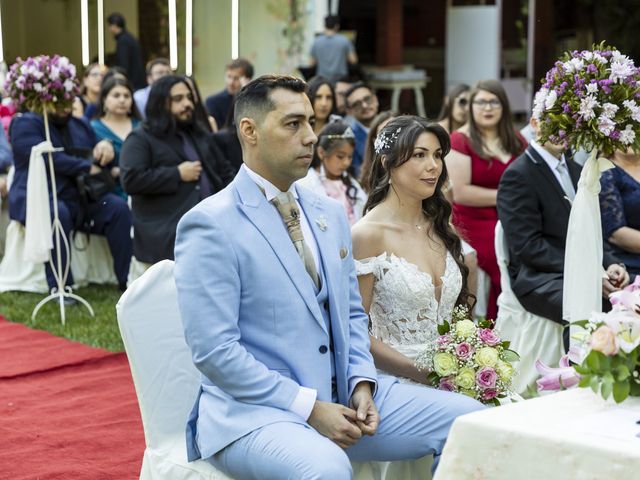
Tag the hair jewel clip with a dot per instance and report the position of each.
(348, 133)
(384, 141)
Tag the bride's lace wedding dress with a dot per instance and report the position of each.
(404, 313)
(405, 310)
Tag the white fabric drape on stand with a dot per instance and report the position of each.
(38, 232)
(582, 290)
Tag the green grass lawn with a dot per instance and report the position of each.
(101, 331)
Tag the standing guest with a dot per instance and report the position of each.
(620, 207)
(156, 69)
(362, 107)
(117, 117)
(481, 151)
(262, 268)
(87, 103)
(331, 52)
(237, 73)
(455, 108)
(322, 98)
(534, 203)
(340, 88)
(161, 166)
(128, 52)
(108, 215)
(377, 124)
(200, 113)
(329, 174)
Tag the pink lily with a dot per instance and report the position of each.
(554, 379)
(629, 297)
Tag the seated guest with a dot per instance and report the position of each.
(6, 160)
(108, 215)
(228, 143)
(534, 202)
(455, 108)
(322, 97)
(362, 107)
(156, 69)
(480, 152)
(237, 73)
(377, 124)
(340, 88)
(161, 167)
(118, 116)
(86, 104)
(620, 208)
(328, 174)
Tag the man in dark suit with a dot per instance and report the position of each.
(219, 105)
(128, 51)
(168, 165)
(534, 203)
(109, 215)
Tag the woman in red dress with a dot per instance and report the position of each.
(481, 150)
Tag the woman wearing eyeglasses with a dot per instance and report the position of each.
(455, 108)
(481, 151)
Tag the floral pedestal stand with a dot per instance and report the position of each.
(60, 272)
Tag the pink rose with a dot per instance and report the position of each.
(486, 377)
(488, 336)
(489, 393)
(444, 339)
(446, 383)
(604, 340)
(464, 350)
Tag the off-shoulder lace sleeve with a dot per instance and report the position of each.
(375, 265)
(611, 207)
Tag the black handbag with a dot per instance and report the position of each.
(92, 186)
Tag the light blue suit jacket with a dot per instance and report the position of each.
(251, 317)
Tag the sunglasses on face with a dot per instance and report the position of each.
(359, 105)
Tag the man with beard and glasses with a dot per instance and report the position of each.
(168, 165)
(81, 153)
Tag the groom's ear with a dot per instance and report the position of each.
(247, 131)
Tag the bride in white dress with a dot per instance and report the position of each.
(408, 257)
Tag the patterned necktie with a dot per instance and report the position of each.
(565, 180)
(286, 205)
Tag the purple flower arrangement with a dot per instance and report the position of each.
(42, 83)
(608, 358)
(469, 358)
(589, 100)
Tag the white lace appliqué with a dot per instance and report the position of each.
(404, 310)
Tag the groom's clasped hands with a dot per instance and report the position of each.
(343, 425)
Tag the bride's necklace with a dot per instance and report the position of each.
(417, 226)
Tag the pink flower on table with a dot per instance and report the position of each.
(489, 393)
(488, 336)
(464, 350)
(486, 378)
(554, 379)
(447, 384)
(604, 340)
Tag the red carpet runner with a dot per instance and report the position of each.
(67, 411)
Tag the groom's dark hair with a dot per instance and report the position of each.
(254, 100)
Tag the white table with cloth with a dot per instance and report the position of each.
(568, 435)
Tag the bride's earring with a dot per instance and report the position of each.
(389, 181)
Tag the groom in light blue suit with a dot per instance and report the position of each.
(289, 388)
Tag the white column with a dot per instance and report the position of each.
(173, 35)
(84, 22)
(188, 48)
(100, 32)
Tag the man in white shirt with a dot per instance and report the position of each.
(534, 203)
(269, 299)
(156, 69)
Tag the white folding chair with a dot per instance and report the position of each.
(532, 336)
(164, 376)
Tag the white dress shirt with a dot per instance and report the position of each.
(553, 163)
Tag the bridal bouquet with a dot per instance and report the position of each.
(469, 358)
(589, 100)
(42, 82)
(610, 351)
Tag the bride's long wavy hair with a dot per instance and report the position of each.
(401, 135)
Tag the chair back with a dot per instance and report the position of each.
(165, 378)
